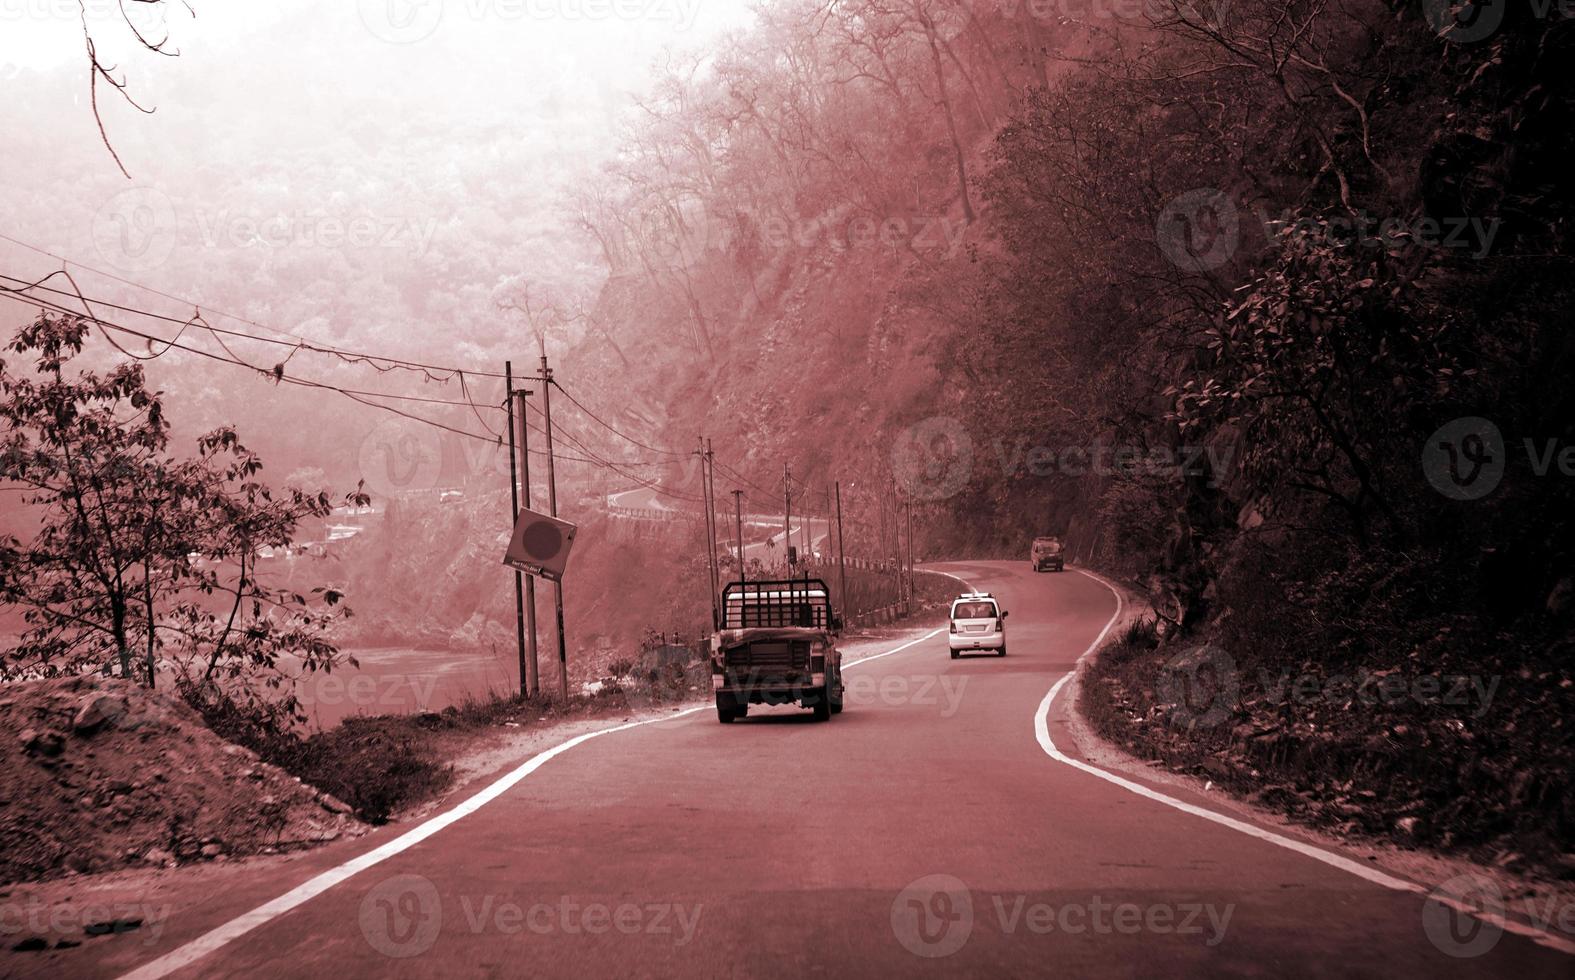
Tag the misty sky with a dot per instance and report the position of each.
(292, 67)
(465, 118)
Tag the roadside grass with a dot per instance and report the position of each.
(382, 765)
(1415, 771)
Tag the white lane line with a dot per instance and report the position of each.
(887, 653)
(1366, 873)
(183, 956)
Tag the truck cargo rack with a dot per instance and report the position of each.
(778, 603)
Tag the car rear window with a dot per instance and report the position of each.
(974, 610)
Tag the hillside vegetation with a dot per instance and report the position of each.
(1207, 294)
(1263, 306)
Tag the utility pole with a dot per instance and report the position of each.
(710, 524)
(552, 510)
(716, 530)
(880, 535)
(806, 530)
(787, 512)
(532, 671)
(514, 498)
(738, 515)
(908, 606)
(842, 568)
(514, 507)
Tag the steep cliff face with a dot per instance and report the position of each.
(817, 352)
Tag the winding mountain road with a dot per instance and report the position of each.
(942, 825)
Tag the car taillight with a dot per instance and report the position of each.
(1000, 625)
(954, 626)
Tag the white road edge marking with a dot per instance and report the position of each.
(1042, 733)
(183, 956)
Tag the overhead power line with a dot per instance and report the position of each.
(379, 362)
(108, 327)
(613, 429)
(746, 481)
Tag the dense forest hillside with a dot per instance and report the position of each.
(1242, 302)
(1260, 305)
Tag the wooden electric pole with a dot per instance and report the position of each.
(787, 514)
(532, 671)
(738, 515)
(552, 510)
(907, 607)
(514, 497)
(716, 530)
(712, 572)
(842, 568)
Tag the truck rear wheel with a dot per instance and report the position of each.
(728, 710)
(823, 704)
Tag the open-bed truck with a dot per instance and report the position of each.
(776, 644)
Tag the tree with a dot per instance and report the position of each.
(137, 549)
(97, 70)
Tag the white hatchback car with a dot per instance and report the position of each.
(978, 623)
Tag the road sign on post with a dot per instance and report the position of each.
(540, 545)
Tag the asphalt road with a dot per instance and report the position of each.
(755, 546)
(923, 831)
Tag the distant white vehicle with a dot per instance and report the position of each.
(977, 623)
